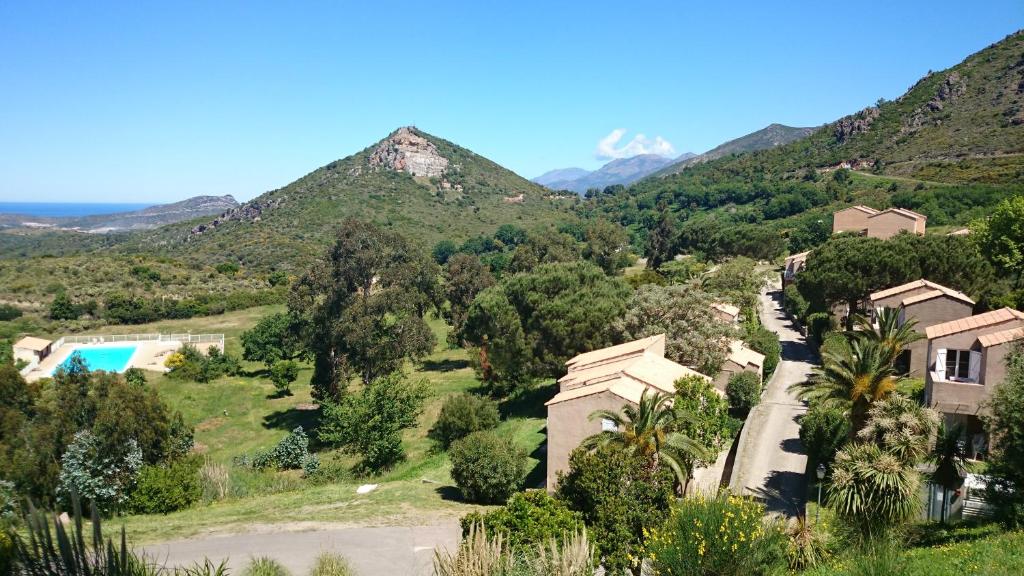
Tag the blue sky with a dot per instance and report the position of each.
(134, 103)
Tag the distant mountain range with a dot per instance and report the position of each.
(768, 137)
(624, 171)
(147, 218)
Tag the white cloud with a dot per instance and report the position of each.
(608, 148)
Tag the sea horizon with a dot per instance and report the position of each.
(66, 209)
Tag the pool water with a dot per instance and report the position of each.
(109, 359)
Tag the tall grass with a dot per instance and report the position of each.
(265, 567)
(479, 555)
(331, 565)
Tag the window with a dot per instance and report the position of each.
(608, 426)
(958, 364)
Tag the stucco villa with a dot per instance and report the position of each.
(893, 221)
(928, 304)
(966, 361)
(609, 379)
(726, 312)
(853, 219)
(740, 359)
(874, 223)
(792, 266)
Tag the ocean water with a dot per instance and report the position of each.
(55, 209)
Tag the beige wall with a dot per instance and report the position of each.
(728, 369)
(569, 424)
(889, 224)
(25, 355)
(929, 313)
(849, 220)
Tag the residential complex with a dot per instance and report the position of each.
(874, 223)
(606, 379)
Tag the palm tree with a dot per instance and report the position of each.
(873, 491)
(902, 427)
(950, 459)
(650, 429)
(852, 379)
(891, 335)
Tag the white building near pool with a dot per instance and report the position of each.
(147, 351)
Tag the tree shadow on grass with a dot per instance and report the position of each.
(537, 476)
(446, 365)
(278, 394)
(449, 493)
(528, 403)
(292, 417)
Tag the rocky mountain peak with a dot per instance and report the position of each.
(405, 150)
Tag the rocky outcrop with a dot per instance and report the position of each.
(405, 150)
(855, 124)
(251, 211)
(950, 89)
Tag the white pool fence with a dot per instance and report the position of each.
(196, 339)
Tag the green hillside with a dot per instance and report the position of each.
(951, 147)
(284, 228)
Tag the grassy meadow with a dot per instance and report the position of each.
(240, 415)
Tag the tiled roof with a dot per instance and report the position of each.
(1001, 337)
(729, 309)
(629, 348)
(920, 284)
(970, 323)
(865, 209)
(625, 374)
(902, 212)
(32, 343)
(740, 354)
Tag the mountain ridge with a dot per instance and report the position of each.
(420, 185)
(770, 136)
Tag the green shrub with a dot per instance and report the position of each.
(291, 453)
(462, 415)
(620, 500)
(8, 503)
(794, 303)
(371, 423)
(283, 373)
(743, 391)
(190, 364)
(721, 535)
(166, 488)
(764, 341)
(265, 567)
(6, 551)
(487, 468)
(8, 312)
(819, 324)
(527, 519)
(824, 430)
(328, 564)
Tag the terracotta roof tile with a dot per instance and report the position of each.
(1001, 337)
(978, 321)
(629, 348)
(922, 283)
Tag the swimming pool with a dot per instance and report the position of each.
(108, 358)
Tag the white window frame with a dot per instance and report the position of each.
(966, 365)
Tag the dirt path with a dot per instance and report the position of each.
(770, 460)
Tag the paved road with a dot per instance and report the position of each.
(770, 461)
(370, 551)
